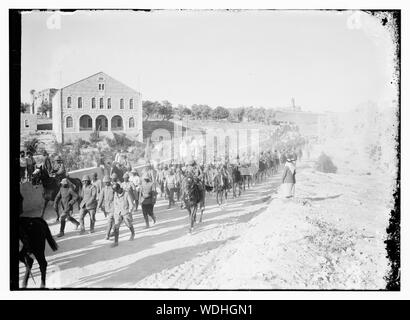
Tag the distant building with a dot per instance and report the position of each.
(96, 103)
(28, 123)
(45, 96)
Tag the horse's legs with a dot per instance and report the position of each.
(42, 262)
(29, 264)
(193, 217)
(202, 211)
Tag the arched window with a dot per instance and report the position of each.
(101, 123)
(68, 102)
(121, 103)
(131, 123)
(116, 123)
(131, 103)
(69, 122)
(101, 103)
(80, 102)
(86, 123)
(109, 103)
(93, 103)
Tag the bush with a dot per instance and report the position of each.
(119, 141)
(94, 137)
(31, 145)
(325, 164)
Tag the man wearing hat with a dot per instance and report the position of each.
(148, 199)
(117, 171)
(67, 196)
(106, 203)
(59, 169)
(97, 183)
(122, 211)
(289, 178)
(170, 186)
(136, 180)
(128, 186)
(88, 203)
(47, 162)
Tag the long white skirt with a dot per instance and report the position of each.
(287, 190)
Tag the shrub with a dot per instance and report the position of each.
(94, 137)
(119, 141)
(31, 145)
(325, 164)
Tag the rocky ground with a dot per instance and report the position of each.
(329, 237)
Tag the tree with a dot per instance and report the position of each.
(166, 110)
(236, 114)
(32, 145)
(24, 107)
(205, 112)
(181, 111)
(147, 109)
(45, 108)
(220, 113)
(196, 111)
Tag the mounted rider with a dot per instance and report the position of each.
(47, 165)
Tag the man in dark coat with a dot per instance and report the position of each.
(67, 196)
(47, 163)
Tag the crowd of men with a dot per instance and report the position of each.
(123, 188)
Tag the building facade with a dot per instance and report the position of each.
(97, 103)
(28, 123)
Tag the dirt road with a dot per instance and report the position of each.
(89, 261)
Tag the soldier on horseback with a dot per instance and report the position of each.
(47, 162)
(59, 169)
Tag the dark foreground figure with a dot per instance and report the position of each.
(34, 232)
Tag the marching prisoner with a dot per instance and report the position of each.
(67, 196)
(88, 203)
(122, 212)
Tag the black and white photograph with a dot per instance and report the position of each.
(199, 149)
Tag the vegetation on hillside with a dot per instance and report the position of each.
(154, 110)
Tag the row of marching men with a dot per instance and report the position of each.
(117, 200)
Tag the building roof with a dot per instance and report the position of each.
(93, 75)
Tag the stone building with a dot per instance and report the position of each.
(28, 123)
(96, 103)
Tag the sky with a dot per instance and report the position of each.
(326, 60)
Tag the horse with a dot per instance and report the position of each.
(51, 187)
(34, 232)
(193, 196)
(221, 186)
(261, 174)
(236, 178)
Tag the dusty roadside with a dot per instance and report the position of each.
(330, 237)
